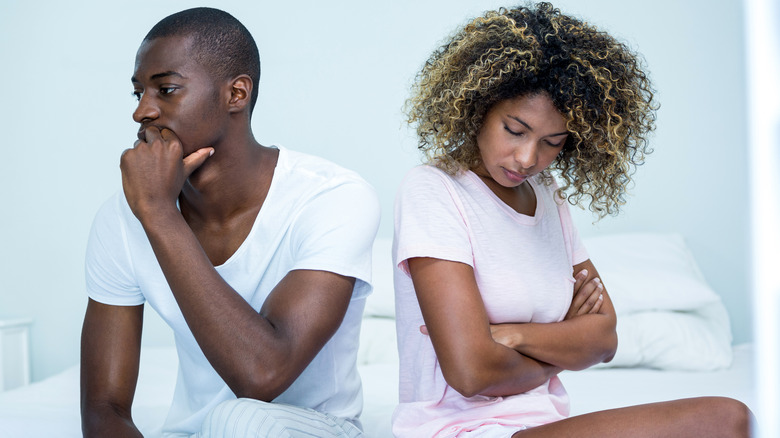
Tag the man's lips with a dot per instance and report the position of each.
(142, 132)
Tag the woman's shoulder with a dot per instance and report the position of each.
(426, 174)
(426, 185)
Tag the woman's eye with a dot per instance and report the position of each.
(166, 90)
(513, 132)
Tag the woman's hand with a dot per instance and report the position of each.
(588, 295)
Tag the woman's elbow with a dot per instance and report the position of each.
(610, 348)
(467, 378)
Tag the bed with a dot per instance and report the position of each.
(674, 342)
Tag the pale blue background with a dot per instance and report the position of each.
(335, 77)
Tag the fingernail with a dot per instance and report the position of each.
(211, 152)
(584, 272)
(597, 280)
(601, 297)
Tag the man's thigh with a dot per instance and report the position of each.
(247, 418)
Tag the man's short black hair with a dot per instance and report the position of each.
(221, 43)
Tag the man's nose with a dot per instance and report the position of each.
(146, 110)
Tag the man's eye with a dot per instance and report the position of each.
(137, 95)
(166, 90)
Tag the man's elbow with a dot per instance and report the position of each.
(262, 385)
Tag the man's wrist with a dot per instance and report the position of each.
(153, 216)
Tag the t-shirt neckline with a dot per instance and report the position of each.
(519, 217)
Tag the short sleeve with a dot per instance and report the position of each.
(335, 232)
(577, 249)
(108, 267)
(430, 220)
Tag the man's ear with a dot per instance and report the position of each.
(240, 93)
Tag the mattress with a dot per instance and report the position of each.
(51, 407)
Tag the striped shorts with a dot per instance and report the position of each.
(247, 418)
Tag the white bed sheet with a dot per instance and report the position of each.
(51, 407)
(590, 390)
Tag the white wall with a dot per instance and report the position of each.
(334, 80)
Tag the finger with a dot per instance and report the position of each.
(196, 159)
(582, 293)
(152, 133)
(170, 138)
(597, 307)
(424, 330)
(579, 279)
(592, 298)
(168, 135)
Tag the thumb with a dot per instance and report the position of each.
(196, 159)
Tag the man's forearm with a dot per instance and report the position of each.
(106, 421)
(238, 341)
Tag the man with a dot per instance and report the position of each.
(257, 257)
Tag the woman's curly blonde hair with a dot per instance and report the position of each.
(596, 82)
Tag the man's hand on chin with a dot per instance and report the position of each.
(154, 170)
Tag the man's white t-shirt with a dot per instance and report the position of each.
(316, 216)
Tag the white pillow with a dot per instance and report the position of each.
(698, 340)
(378, 342)
(649, 271)
(381, 302)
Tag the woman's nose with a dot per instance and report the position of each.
(525, 155)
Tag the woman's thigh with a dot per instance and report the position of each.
(706, 417)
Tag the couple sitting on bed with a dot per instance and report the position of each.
(259, 257)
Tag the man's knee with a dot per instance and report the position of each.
(241, 418)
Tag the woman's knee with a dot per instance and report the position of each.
(733, 416)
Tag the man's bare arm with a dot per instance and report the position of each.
(258, 354)
(110, 353)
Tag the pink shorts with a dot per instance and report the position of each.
(482, 431)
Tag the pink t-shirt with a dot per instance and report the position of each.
(523, 267)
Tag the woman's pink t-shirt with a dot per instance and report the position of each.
(523, 267)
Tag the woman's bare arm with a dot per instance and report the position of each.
(471, 361)
(577, 342)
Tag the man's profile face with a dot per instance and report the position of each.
(177, 93)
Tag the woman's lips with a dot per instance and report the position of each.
(514, 176)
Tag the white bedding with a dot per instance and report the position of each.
(674, 342)
(51, 407)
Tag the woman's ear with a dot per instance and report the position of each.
(240, 93)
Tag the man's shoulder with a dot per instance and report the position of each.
(114, 209)
(304, 165)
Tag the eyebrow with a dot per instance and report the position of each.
(160, 75)
(531, 129)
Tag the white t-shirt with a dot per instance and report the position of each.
(316, 216)
(523, 268)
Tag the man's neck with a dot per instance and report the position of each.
(233, 180)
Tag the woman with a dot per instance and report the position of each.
(495, 294)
